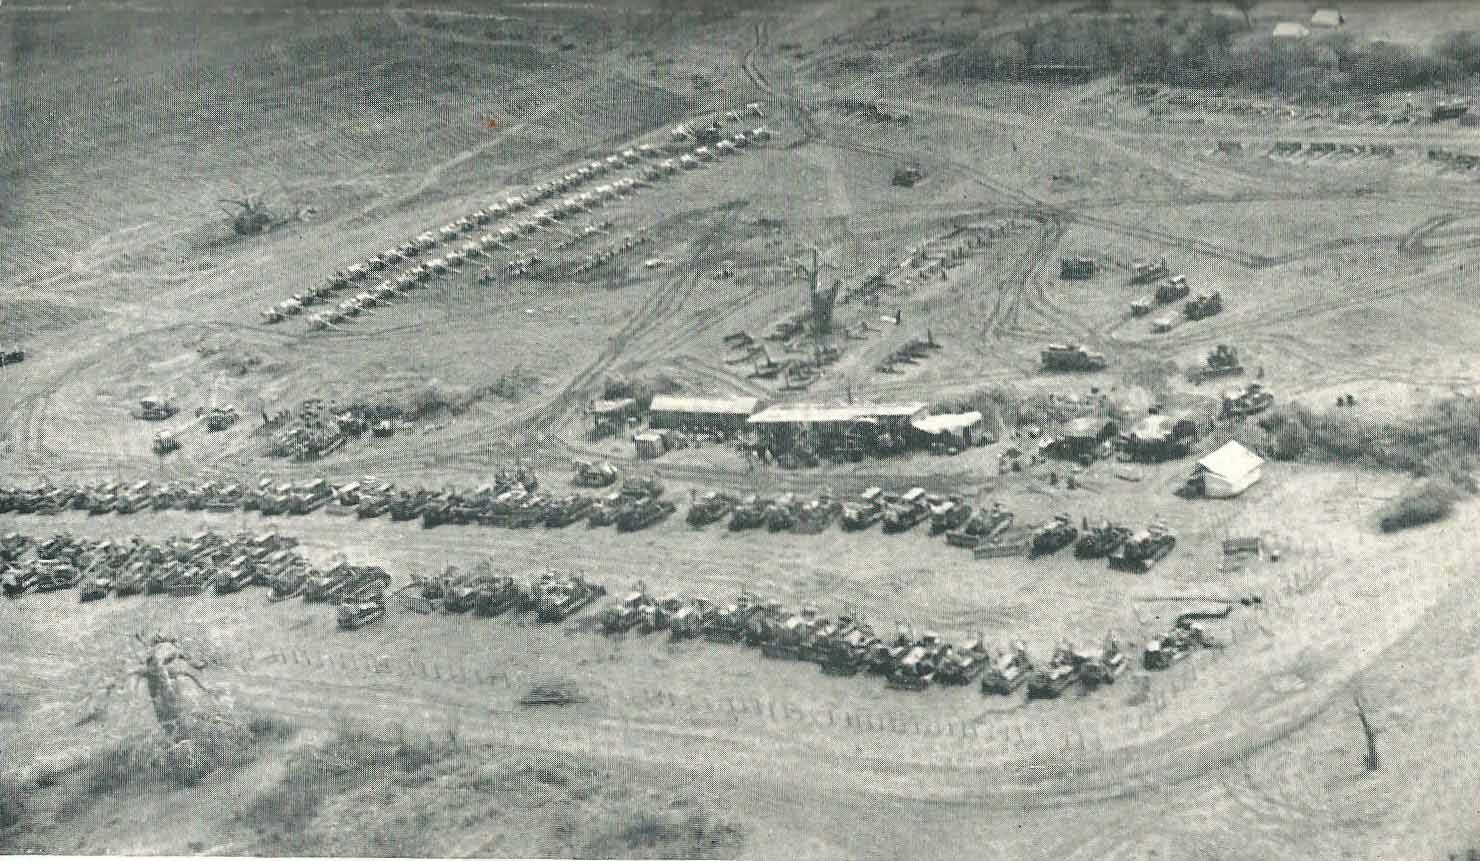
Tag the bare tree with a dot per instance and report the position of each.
(161, 666)
(250, 215)
(1246, 7)
(1368, 731)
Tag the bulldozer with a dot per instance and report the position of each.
(815, 515)
(1101, 541)
(1161, 652)
(567, 510)
(948, 514)
(1101, 666)
(643, 512)
(1053, 536)
(356, 612)
(1247, 401)
(1071, 357)
(594, 475)
(624, 615)
(905, 513)
(1174, 289)
(781, 514)
(561, 597)
(1058, 676)
(156, 409)
(1142, 550)
(164, 443)
(1146, 271)
(640, 486)
(863, 511)
(1078, 268)
(982, 526)
(1222, 361)
(749, 513)
(1204, 306)
(221, 418)
(710, 508)
(1008, 672)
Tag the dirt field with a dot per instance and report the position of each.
(361, 129)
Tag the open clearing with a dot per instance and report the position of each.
(364, 128)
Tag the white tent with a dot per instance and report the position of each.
(1328, 19)
(1228, 471)
(1290, 30)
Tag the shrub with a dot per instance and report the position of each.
(1428, 502)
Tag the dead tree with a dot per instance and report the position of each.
(250, 215)
(1368, 731)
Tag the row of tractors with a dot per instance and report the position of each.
(848, 646)
(513, 500)
(185, 566)
(551, 596)
(561, 199)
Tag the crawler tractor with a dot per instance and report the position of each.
(1060, 674)
(1008, 672)
(1071, 357)
(907, 512)
(1053, 536)
(1101, 541)
(644, 512)
(711, 507)
(1141, 551)
(949, 514)
(983, 526)
(864, 511)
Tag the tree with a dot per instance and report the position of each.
(1246, 7)
(161, 666)
(1368, 731)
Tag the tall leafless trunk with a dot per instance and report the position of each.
(1367, 730)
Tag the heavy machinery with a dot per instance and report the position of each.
(1058, 676)
(781, 514)
(749, 513)
(1174, 289)
(948, 514)
(1146, 271)
(1449, 109)
(687, 622)
(864, 510)
(95, 589)
(221, 418)
(643, 512)
(165, 443)
(982, 526)
(847, 653)
(1052, 536)
(1078, 268)
(639, 486)
(1252, 398)
(1143, 549)
(1071, 357)
(357, 612)
(594, 475)
(559, 598)
(604, 511)
(1204, 306)
(1221, 362)
(238, 574)
(1101, 541)
(1141, 307)
(1171, 647)
(12, 356)
(815, 515)
(1101, 666)
(625, 615)
(1008, 672)
(566, 510)
(289, 583)
(960, 665)
(908, 176)
(156, 409)
(905, 513)
(710, 507)
(496, 595)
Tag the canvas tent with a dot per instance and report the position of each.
(1327, 19)
(1228, 471)
(1290, 30)
(965, 427)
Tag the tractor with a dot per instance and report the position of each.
(1008, 672)
(983, 526)
(1071, 357)
(905, 513)
(1221, 362)
(1249, 400)
(1146, 271)
(164, 443)
(1053, 536)
(949, 514)
(1204, 306)
(595, 475)
(710, 508)
(864, 511)
(1101, 541)
(749, 513)
(1142, 550)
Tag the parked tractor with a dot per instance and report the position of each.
(1071, 357)
(905, 513)
(1146, 271)
(359, 611)
(984, 525)
(1058, 676)
(711, 507)
(1161, 652)
(1008, 672)
(594, 475)
(1078, 268)
(643, 512)
(1053, 536)
(1204, 306)
(948, 514)
(1246, 401)
(165, 443)
(1101, 541)
(781, 514)
(1142, 550)
(863, 511)
(1101, 666)
(1174, 289)
(750, 513)
(567, 510)
(1221, 362)
(156, 409)
(560, 598)
(815, 515)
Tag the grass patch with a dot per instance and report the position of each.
(1428, 502)
(682, 832)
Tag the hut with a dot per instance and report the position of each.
(823, 428)
(649, 444)
(721, 415)
(1228, 471)
(609, 417)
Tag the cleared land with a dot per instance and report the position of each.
(364, 129)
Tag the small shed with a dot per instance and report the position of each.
(1327, 19)
(1228, 471)
(610, 417)
(649, 445)
(702, 414)
(1290, 30)
(965, 428)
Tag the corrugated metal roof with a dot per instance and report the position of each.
(819, 413)
(949, 422)
(611, 406)
(719, 406)
(1230, 460)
